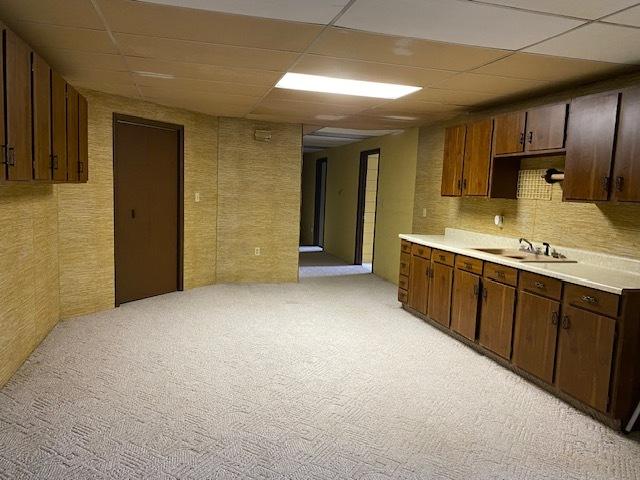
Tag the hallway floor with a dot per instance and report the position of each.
(316, 263)
(325, 379)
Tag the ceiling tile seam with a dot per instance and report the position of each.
(115, 44)
(310, 45)
(528, 10)
(139, 57)
(73, 27)
(616, 24)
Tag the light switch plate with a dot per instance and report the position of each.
(197, 196)
(424, 212)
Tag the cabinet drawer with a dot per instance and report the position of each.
(421, 251)
(593, 300)
(499, 273)
(441, 256)
(405, 246)
(541, 285)
(405, 258)
(403, 282)
(469, 264)
(403, 296)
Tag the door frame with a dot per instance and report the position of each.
(179, 129)
(319, 185)
(362, 191)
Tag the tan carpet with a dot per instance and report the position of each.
(326, 379)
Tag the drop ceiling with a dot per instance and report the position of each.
(223, 57)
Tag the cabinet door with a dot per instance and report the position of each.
(627, 162)
(440, 293)
(496, 319)
(454, 138)
(41, 84)
(18, 107)
(508, 135)
(3, 140)
(590, 139)
(585, 352)
(83, 140)
(546, 127)
(419, 284)
(72, 134)
(536, 331)
(59, 127)
(464, 310)
(477, 158)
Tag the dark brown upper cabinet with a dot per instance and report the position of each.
(546, 128)
(73, 168)
(41, 85)
(3, 139)
(590, 142)
(83, 140)
(17, 65)
(509, 133)
(626, 176)
(453, 160)
(477, 158)
(59, 127)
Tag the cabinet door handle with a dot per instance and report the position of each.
(619, 183)
(566, 322)
(464, 184)
(521, 142)
(133, 213)
(539, 285)
(54, 162)
(80, 167)
(11, 158)
(476, 290)
(605, 183)
(530, 137)
(589, 299)
(459, 184)
(484, 295)
(554, 318)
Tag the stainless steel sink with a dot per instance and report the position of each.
(522, 256)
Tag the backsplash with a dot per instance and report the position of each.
(607, 228)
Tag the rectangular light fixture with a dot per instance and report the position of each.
(342, 86)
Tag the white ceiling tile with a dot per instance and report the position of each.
(596, 41)
(311, 11)
(628, 17)
(455, 21)
(590, 9)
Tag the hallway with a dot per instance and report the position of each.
(316, 263)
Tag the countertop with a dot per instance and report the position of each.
(612, 280)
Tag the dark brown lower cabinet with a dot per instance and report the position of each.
(419, 284)
(585, 354)
(440, 293)
(464, 309)
(496, 319)
(535, 335)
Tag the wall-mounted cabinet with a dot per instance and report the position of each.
(43, 120)
(626, 176)
(453, 160)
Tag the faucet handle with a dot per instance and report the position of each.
(547, 248)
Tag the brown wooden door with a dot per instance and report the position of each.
(454, 140)
(546, 127)
(18, 107)
(59, 127)
(440, 293)
(590, 140)
(464, 309)
(626, 175)
(535, 335)
(585, 351)
(419, 284)
(496, 318)
(83, 140)
(72, 135)
(509, 133)
(477, 158)
(41, 85)
(146, 188)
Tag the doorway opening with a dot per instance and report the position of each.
(320, 202)
(148, 183)
(367, 206)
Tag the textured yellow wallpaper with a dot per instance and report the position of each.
(394, 215)
(259, 202)
(86, 211)
(29, 296)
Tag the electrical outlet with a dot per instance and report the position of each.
(197, 196)
(256, 252)
(424, 212)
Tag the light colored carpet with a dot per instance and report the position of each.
(326, 379)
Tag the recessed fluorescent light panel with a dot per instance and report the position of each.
(342, 86)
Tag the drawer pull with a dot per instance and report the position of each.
(539, 285)
(554, 318)
(589, 299)
(500, 274)
(566, 322)
(403, 265)
(442, 258)
(468, 266)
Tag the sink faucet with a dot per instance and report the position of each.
(529, 248)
